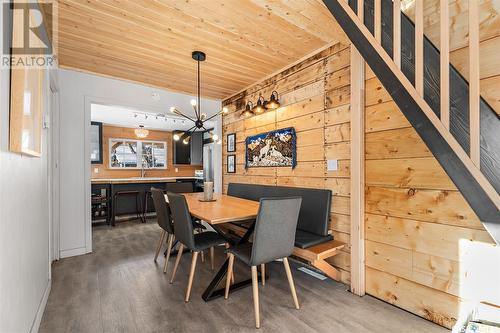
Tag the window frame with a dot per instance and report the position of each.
(138, 153)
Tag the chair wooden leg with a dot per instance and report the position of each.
(191, 275)
(228, 275)
(290, 281)
(255, 288)
(202, 256)
(212, 258)
(158, 248)
(169, 249)
(263, 273)
(232, 273)
(177, 260)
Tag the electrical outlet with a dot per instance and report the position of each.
(176, 169)
(96, 170)
(333, 165)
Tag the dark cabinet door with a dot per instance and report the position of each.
(182, 152)
(197, 148)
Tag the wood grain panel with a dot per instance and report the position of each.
(424, 237)
(314, 97)
(398, 143)
(239, 39)
(384, 116)
(436, 306)
(424, 173)
(446, 207)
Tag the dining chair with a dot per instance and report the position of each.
(164, 219)
(183, 229)
(274, 238)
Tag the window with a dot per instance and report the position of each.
(134, 154)
(96, 143)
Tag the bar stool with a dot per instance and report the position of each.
(127, 194)
(147, 195)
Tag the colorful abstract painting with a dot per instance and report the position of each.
(272, 149)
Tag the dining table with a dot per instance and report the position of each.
(223, 209)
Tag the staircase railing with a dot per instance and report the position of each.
(463, 140)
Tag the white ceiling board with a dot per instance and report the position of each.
(125, 117)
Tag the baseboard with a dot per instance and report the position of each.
(41, 308)
(72, 252)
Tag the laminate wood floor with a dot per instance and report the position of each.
(118, 288)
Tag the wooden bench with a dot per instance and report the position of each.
(317, 255)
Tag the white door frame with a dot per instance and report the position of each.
(53, 167)
(89, 100)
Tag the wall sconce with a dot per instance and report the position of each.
(273, 102)
(259, 108)
(248, 110)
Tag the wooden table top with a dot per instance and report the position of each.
(225, 209)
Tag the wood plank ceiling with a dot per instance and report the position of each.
(150, 41)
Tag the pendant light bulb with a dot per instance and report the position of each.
(176, 137)
(225, 110)
(172, 109)
(215, 137)
(193, 102)
(185, 141)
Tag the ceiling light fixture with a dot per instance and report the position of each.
(200, 118)
(248, 110)
(259, 107)
(273, 102)
(141, 132)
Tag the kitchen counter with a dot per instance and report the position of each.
(140, 180)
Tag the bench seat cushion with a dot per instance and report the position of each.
(304, 239)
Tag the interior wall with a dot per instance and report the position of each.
(24, 224)
(314, 95)
(115, 132)
(77, 90)
(423, 243)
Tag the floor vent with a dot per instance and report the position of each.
(312, 273)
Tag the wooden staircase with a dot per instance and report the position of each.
(458, 126)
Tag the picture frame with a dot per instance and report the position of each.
(277, 148)
(231, 163)
(231, 143)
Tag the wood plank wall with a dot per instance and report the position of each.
(115, 132)
(315, 101)
(415, 217)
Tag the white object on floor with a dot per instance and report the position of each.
(312, 273)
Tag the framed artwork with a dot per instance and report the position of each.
(231, 163)
(272, 149)
(231, 143)
(26, 105)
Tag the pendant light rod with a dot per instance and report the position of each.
(199, 101)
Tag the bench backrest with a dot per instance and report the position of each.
(314, 213)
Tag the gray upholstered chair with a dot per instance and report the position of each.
(164, 221)
(164, 218)
(274, 237)
(183, 228)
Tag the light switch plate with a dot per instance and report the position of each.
(332, 165)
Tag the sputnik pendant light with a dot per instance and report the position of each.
(200, 118)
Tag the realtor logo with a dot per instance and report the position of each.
(29, 34)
